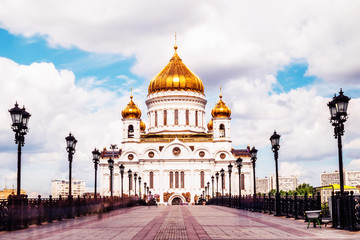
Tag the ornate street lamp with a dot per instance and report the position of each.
(212, 184)
(20, 119)
(129, 175)
(338, 115)
(275, 144)
(145, 191)
(139, 187)
(253, 153)
(230, 171)
(135, 178)
(111, 167)
(208, 188)
(239, 166)
(122, 168)
(70, 148)
(205, 194)
(217, 183)
(96, 158)
(222, 172)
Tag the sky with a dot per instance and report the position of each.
(73, 63)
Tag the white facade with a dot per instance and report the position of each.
(351, 178)
(265, 185)
(177, 154)
(61, 187)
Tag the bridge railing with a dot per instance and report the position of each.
(19, 212)
(344, 212)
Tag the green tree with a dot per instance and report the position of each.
(305, 187)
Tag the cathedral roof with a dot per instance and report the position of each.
(176, 76)
(131, 110)
(221, 110)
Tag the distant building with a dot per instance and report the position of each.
(326, 192)
(61, 187)
(329, 178)
(264, 185)
(351, 178)
(4, 194)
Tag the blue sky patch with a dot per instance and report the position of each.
(293, 76)
(100, 66)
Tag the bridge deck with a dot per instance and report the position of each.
(179, 222)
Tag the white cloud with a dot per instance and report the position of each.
(241, 44)
(354, 165)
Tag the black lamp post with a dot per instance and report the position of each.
(70, 148)
(111, 167)
(239, 166)
(208, 187)
(20, 119)
(217, 183)
(139, 187)
(230, 166)
(275, 144)
(338, 115)
(253, 153)
(145, 190)
(205, 194)
(129, 175)
(135, 178)
(222, 172)
(122, 168)
(96, 156)
(212, 184)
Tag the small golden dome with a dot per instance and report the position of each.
(131, 110)
(221, 110)
(142, 126)
(176, 76)
(210, 125)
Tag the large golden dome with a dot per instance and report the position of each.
(210, 125)
(131, 110)
(221, 110)
(176, 76)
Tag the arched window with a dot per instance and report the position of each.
(222, 130)
(196, 118)
(151, 179)
(171, 180)
(165, 117)
(242, 182)
(176, 117)
(156, 119)
(176, 179)
(202, 181)
(182, 179)
(187, 117)
(131, 131)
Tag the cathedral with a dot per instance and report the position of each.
(178, 155)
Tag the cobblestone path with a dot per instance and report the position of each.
(178, 222)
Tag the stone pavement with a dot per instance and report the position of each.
(179, 222)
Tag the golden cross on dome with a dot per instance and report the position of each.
(175, 47)
(131, 96)
(220, 92)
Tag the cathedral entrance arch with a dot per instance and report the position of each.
(176, 199)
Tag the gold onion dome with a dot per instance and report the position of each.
(176, 76)
(142, 126)
(131, 110)
(221, 110)
(210, 125)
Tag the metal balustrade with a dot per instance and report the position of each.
(295, 207)
(19, 212)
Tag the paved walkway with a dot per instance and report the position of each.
(179, 222)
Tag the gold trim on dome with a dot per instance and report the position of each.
(210, 125)
(221, 110)
(142, 126)
(176, 76)
(131, 110)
